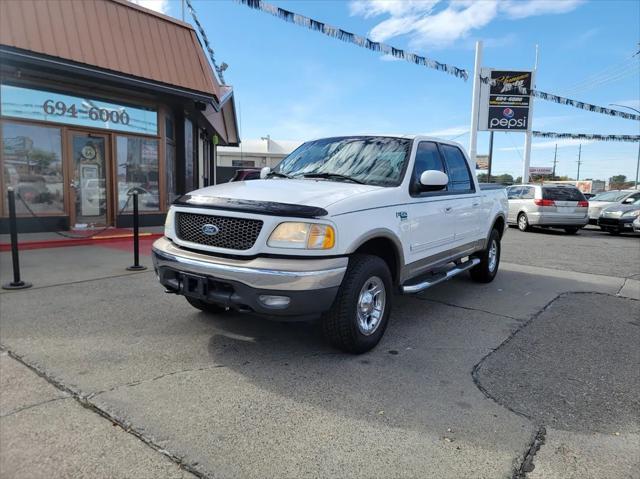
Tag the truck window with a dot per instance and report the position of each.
(427, 158)
(457, 169)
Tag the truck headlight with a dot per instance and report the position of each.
(302, 236)
(631, 214)
(168, 223)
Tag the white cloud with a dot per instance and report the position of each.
(389, 58)
(396, 8)
(161, 6)
(523, 9)
(429, 26)
(451, 131)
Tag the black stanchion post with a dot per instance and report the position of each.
(136, 239)
(17, 283)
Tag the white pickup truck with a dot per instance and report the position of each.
(334, 231)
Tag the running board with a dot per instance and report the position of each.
(437, 279)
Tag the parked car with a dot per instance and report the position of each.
(619, 218)
(609, 198)
(337, 228)
(557, 206)
(245, 174)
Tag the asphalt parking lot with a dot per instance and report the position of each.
(535, 374)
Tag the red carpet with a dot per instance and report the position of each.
(121, 236)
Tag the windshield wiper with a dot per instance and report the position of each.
(278, 174)
(332, 176)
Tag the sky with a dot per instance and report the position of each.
(295, 84)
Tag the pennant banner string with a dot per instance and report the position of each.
(205, 39)
(562, 100)
(586, 136)
(352, 38)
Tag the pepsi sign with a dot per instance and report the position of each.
(505, 101)
(508, 118)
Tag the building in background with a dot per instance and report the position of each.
(99, 97)
(253, 153)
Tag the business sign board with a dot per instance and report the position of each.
(540, 170)
(505, 99)
(32, 104)
(482, 162)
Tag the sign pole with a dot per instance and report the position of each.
(527, 138)
(490, 156)
(475, 104)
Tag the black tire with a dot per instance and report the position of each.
(484, 272)
(340, 324)
(571, 230)
(523, 222)
(206, 307)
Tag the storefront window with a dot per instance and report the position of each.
(170, 171)
(137, 160)
(32, 165)
(188, 155)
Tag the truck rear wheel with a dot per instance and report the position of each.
(489, 260)
(360, 313)
(206, 307)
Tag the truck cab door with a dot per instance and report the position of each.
(431, 214)
(468, 215)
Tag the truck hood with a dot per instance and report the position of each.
(309, 192)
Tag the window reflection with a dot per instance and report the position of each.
(137, 160)
(33, 166)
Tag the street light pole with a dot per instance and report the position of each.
(637, 162)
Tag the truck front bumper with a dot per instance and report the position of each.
(269, 286)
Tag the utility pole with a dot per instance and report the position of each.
(637, 162)
(490, 157)
(579, 161)
(555, 161)
(182, 3)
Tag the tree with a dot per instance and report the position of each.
(618, 179)
(503, 178)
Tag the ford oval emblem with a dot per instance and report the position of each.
(210, 230)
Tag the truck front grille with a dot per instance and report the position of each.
(232, 233)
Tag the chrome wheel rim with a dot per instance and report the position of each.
(371, 304)
(493, 255)
(522, 222)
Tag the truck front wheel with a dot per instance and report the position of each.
(360, 313)
(489, 260)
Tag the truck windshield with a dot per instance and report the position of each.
(372, 160)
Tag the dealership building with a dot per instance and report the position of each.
(98, 97)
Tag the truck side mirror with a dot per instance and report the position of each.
(264, 172)
(433, 180)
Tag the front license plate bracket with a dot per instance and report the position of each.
(193, 285)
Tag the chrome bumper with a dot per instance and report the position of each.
(259, 273)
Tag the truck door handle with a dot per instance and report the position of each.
(448, 209)
(476, 204)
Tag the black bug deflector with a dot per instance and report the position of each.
(250, 206)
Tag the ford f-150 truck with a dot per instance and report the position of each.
(334, 231)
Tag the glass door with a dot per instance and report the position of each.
(89, 188)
